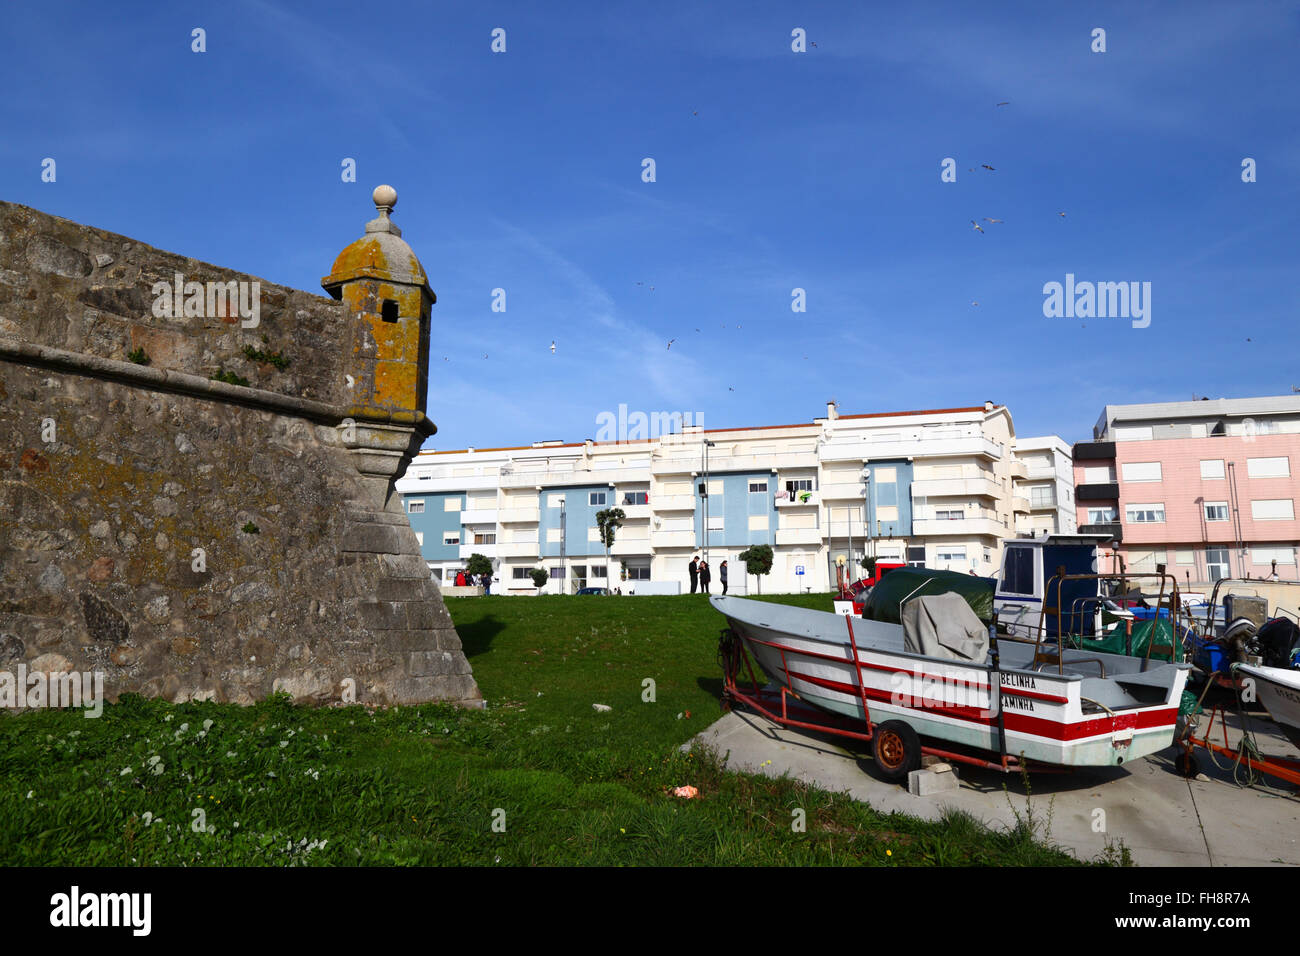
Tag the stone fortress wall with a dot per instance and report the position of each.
(193, 537)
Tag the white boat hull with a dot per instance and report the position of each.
(950, 700)
(1278, 689)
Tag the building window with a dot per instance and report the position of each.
(887, 513)
(950, 515)
(451, 537)
(756, 523)
(1216, 511)
(487, 537)
(598, 570)
(949, 552)
(1185, 556)
(450, 504)
(636, 498)
(1216, 563)
(519, 574)
(557, 573)
(758, 487)
(1144, 514)
(415, 507)
(1098, 474)
(638, 573)
(1268, 467)
(1211, 468)
(1146, 561)
(1269, 555)
(916, 555)
(1141, 471)
(552, 535)
(1277, 509)
(596, 498)
(1106, 515)
(796, 485)
(1043, 496)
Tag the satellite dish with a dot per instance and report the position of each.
(840, 560)
(866, 472)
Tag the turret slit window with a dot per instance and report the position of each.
(388, 311)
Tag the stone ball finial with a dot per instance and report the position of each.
(385, 197)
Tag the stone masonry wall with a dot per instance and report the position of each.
(186, 537)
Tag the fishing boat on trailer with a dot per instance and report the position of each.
(1278, 689)
(937, 676)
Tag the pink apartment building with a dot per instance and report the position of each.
(1207, 488)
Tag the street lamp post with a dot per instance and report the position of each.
(866, 511)
(564, 534)
(705, 496)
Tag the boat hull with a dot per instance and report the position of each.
(1279, 691)
(953, 701)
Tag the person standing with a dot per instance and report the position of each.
(722, 576)
(705, 576)
(693, 570)
(486, 581)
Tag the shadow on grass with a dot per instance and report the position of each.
(711, 686)
(476, 636)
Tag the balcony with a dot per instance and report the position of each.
(673, 503)
(1099, 491)
(990, 527)
(956, 487)
(843, 491)
(1019, 470)
(487, 550)
(635, 512)
(1020, 504)
(1041, 503)
(518, 515)
(629, 547)
(1112, 529)
(814, 499)
(673, 539)
(692, 461)
(1093, 451)
(516, 549)
(913, 446)
(479, 516)
(798, 536)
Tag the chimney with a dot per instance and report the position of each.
(831, 410)
(988, 406)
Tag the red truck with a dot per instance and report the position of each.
(857, 591)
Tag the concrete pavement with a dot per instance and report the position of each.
(1163, 818)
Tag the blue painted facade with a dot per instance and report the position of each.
(892, 494)
(737, 504)
(580, 514)
(434, 522)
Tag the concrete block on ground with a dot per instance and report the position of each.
(923, 783)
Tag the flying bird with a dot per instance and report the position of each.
(974, 303)
(730, 388)
(987, 219)
(485, 355)
(552, 346)
(977, 226)
(695, 112)
(670, 342)
(1004, 103)
(1061, 214)
(987, 166)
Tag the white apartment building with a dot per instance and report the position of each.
(1048, 484)
(940, 488)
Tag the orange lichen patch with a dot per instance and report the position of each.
(395, 384)
(376, 258)
(33, 460)
(396, 341)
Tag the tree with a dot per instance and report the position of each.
(539, 577)
(758, 561)
(478, 564)
(869, 563)
(609, 521)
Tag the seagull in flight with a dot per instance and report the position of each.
(552, 346)
(978, 227)
(988, 167)
(670, 342)
(1061, 214)
(1004, 103)
(987, 219)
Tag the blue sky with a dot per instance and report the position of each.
(775, 170)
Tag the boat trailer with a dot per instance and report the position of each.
(895, 745)
(1248, 762)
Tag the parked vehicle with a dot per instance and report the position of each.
(593, 591)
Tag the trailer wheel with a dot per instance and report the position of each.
(896, 749)
(1186, 764)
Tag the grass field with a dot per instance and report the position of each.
(539, 777)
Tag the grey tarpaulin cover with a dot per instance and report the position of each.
(943, 625)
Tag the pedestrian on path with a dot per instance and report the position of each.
(694, 571)
(705, 576)
(722, 576)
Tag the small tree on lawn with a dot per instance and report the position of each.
(609, 521)
(479, 564)
(758, 561)
(869, 563)
(539, 577)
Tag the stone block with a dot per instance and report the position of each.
(924, 783)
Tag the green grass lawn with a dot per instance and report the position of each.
(539, 777)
